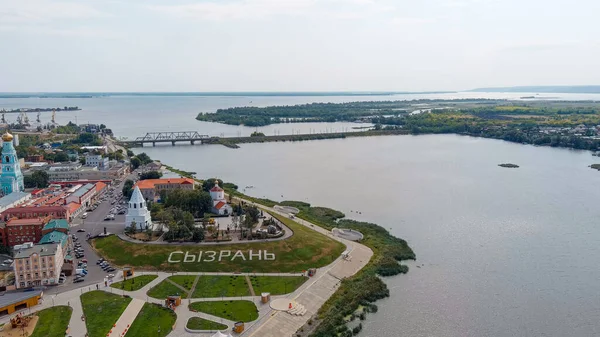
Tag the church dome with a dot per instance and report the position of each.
(7, 137)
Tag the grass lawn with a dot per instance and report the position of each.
(276, 285)
(151, 317)
(244, 311)
(305, 249)
(52, 322)
(197, 323)
(221, 286)
(185, 281)
(164, 289)
(135, 283)
(102, 310)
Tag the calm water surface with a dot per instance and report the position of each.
(502, 252)
(133, 116)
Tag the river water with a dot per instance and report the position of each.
(501, 252)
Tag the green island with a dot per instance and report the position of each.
(134, 283)
(570, 124)
(102, 310)
(233, 310)
(52, 322)
(305, 249)
(152, 319)
(197, 323)
(508, 165)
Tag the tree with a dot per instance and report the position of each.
(197, 234)
(144, 158)
(197, 202)
(128, 188)
(150, 175)
(135, 162)
(132, 229)
(130, 153)
(61, 157)
(251, 218)
(39, 179)
(210, 183)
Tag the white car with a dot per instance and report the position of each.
(110, 275)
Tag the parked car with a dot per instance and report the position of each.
(100, 261)
(80, 230)
(110, 275)
(110, 270)
(84, 261)
(77, 280)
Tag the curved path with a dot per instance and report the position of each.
(312, 295)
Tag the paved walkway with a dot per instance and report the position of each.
(127, 317)
(193, 286)
(312, 294)
(250, 287)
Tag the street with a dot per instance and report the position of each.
(94, 225)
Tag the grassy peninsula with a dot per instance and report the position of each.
(570, 124)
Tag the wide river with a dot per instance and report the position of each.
(501, 252)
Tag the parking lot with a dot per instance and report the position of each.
(94, 224)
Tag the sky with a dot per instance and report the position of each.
(296, 45)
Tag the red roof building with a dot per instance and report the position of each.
(151, 188)
(19, 231)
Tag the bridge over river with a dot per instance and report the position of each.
(193, 137)
(171, 137)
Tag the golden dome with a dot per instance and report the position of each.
(7, 137)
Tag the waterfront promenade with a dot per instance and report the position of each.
(270, 323)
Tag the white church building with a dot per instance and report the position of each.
(220, 205)
(137, 210)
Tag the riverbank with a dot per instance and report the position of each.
(363, 288)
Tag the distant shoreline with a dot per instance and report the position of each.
(213, 94)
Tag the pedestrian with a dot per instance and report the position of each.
(97, 287)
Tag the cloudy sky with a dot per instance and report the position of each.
(296, 45)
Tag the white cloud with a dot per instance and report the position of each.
(245, 9)
(409, 21)
(260, 9)
(34, 11)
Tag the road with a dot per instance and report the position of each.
(93, 225)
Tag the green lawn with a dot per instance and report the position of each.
(305, 249)
(276, 285)
(151, 317)
(102, 310)
(221, 286)
(197, 323)
(52, 322)
(135, 283)
(244, 311)
(185, 281)
(164, 289)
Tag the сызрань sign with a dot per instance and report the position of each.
(212, 256)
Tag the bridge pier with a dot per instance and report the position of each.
(153, 143)
(173, 142)
(191, 141)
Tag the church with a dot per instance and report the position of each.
(137, 211)
(220, 205)
(11, 179)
